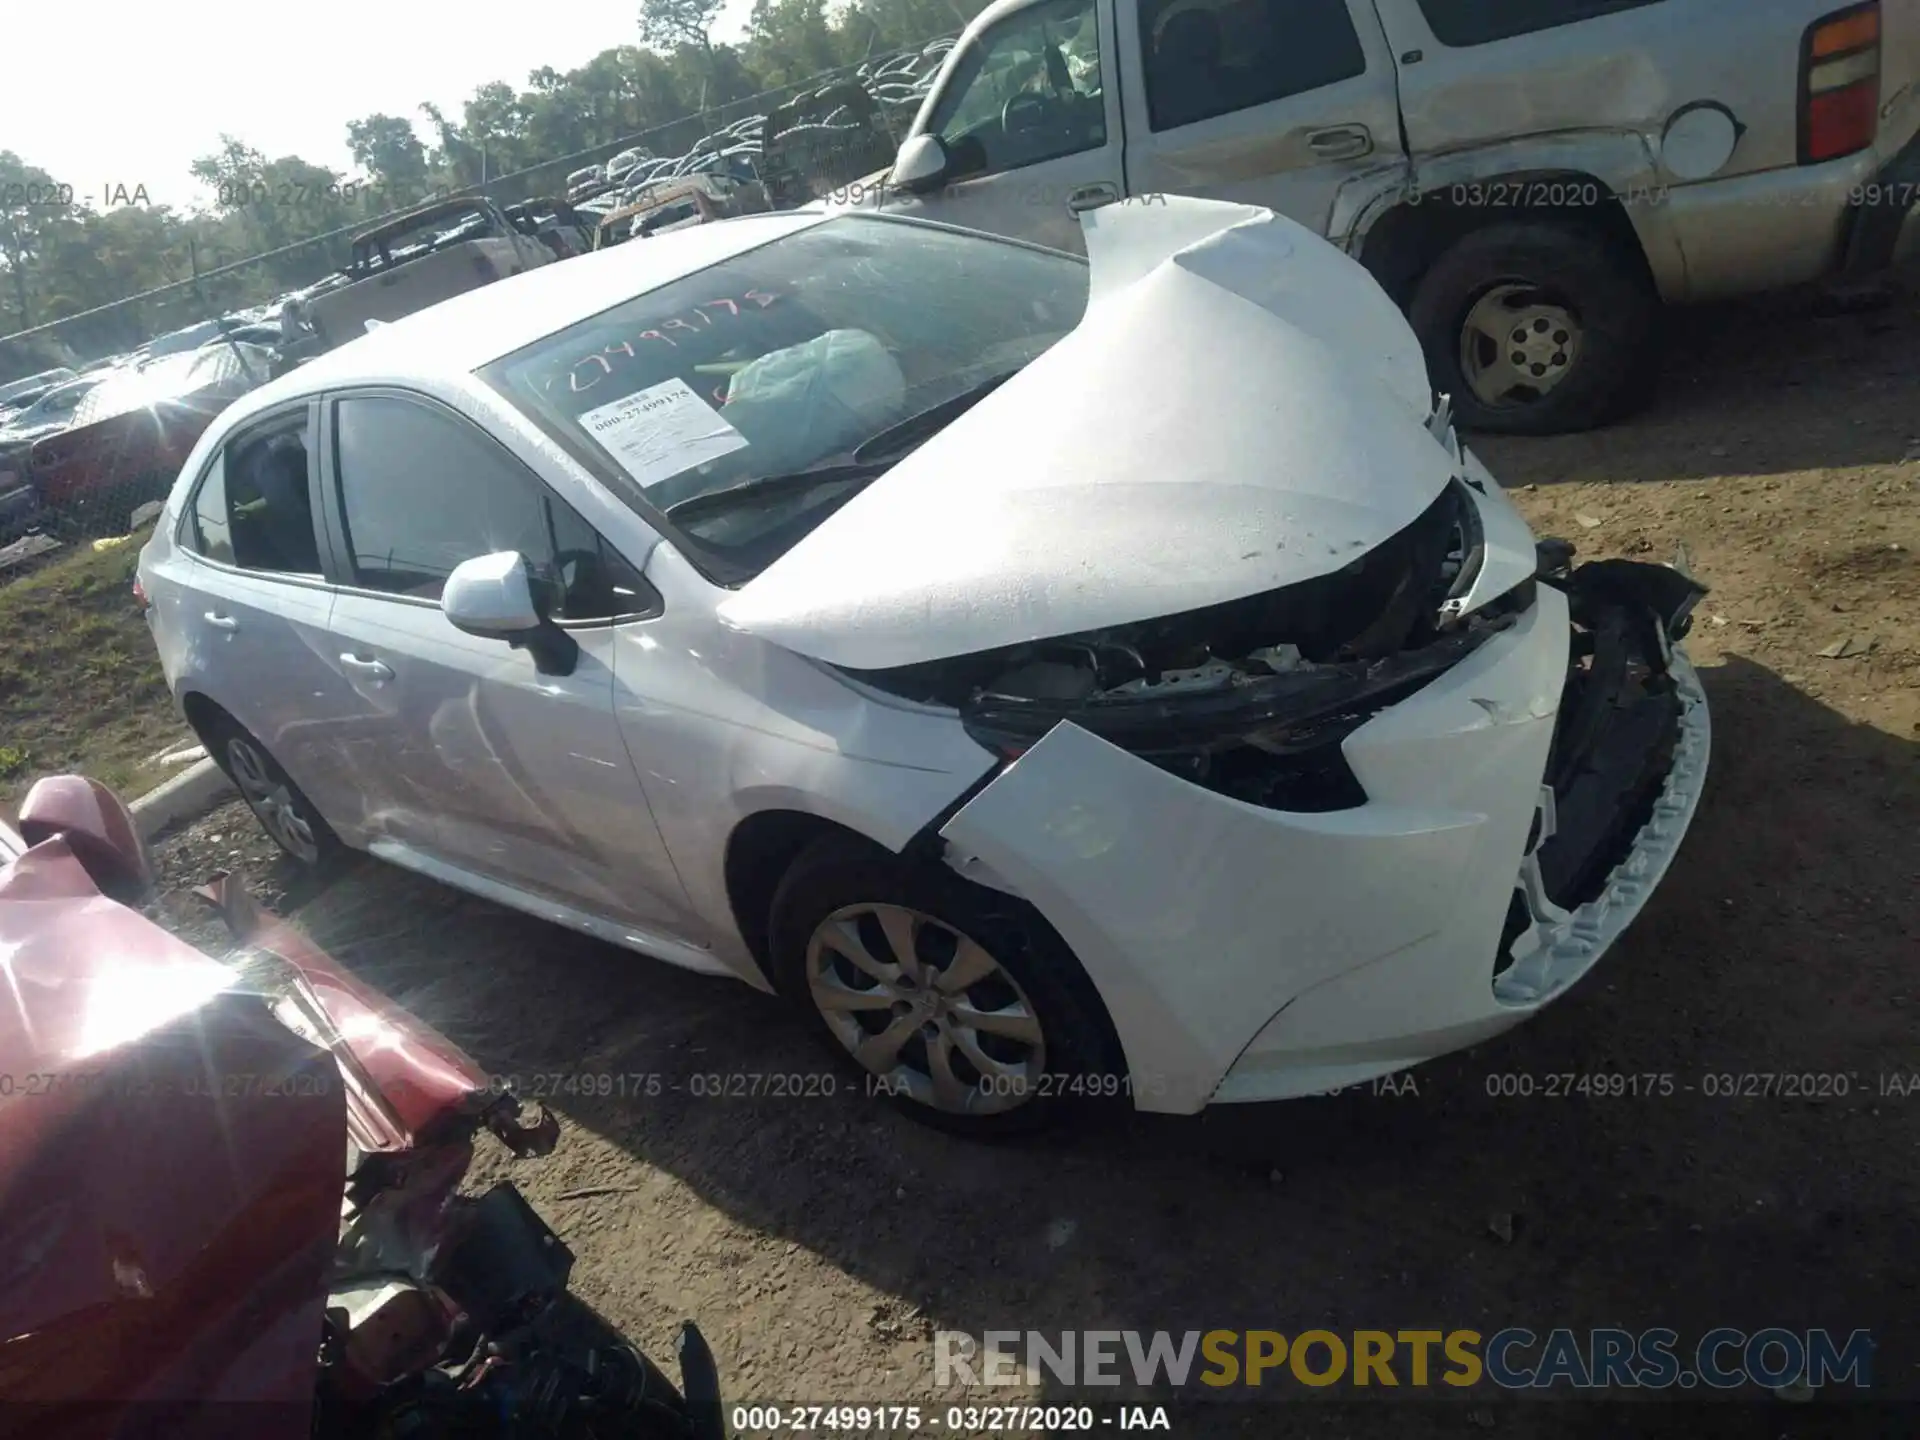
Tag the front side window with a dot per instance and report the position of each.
(1028, 91)
(254, 508)
(421, 491)
(1212, 57)
(707, 398)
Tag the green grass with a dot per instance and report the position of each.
(80, 685)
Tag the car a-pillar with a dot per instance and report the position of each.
(1531, 295)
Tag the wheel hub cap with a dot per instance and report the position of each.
(1517, 345)
(925, 1009)
(271, 802)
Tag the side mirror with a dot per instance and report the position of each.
(97, 827)
(493, 597)
(920, 166)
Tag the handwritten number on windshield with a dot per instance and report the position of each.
(584, 377)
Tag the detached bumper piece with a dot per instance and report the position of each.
(1623, 778)
(1879, 212)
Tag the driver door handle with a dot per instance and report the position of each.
(222, 622)
(375, 670)
(1092, 197)
(1341, 142)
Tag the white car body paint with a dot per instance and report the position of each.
(1209, 432)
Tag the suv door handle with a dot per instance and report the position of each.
(1092, 197)
(222, 622)
(375, 670)
(1341, 142)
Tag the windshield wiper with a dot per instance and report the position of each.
(834, 472)
(874, 456)
(932, 420)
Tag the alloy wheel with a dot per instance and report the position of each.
(1517, 344)
(926, 1010)
(272, 801)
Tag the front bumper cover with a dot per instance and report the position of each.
(1248, 953)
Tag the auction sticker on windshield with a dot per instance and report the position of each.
(662, 431)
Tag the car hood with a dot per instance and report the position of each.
(1241, 408)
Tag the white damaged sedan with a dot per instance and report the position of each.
(1060, 680)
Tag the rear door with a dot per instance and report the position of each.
(473, 755)
(254, 601)
(1032, 129)
(1474, 72)
(1265, 102)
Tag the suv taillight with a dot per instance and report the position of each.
(1840, 84)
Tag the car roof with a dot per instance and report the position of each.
(460, 335)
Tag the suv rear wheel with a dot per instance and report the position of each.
(1537, 327)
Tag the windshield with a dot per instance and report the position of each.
(782, 358)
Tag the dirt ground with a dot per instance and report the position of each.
(819, 1242)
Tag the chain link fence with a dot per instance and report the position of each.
(86, 451)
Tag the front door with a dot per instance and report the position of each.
(1031, 129)
(1276, 103)
(506, 771)
(1472, 73)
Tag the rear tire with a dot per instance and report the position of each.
(281, 807)
(1540, 269)
(989, 1028)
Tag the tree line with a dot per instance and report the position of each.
(63, 253)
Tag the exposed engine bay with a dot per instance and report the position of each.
(1252, 697)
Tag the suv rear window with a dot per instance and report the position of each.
(1479, 22)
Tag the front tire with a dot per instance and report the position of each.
(957, 1002)
(1538, 328)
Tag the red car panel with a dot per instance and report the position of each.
(140, 426)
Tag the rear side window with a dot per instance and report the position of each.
(1212, 57)
(1477, 22)
(254, 507)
